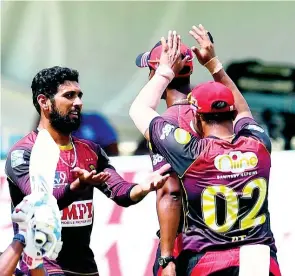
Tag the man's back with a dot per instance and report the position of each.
(226, 184)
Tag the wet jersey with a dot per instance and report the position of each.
(76, 257)
(226, 184)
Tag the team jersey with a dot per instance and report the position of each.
(76, 257)
(226, 184)
(178, 114)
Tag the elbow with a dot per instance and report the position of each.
(132, 111)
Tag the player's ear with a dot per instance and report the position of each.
(43, 101)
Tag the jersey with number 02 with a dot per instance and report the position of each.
(226, 184)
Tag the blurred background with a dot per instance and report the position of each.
(254, 40)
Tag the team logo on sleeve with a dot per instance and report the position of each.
(166, 130)
(255, 127)
(157, 158)
(182, 136)
(17, 158)
(236, 161)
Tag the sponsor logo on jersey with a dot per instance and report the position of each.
(236, 161)
(166, 130)
(17, 158)
(157, 158)
(79, 213)
(182, 136)
(92, 167)
(60, 178)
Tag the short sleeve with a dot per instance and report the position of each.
(175, 144)
(248, 127)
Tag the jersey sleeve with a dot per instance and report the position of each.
(175, 144)
(17, 171)
(248, 127)
(116, 188)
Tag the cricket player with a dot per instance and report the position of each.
(224, 173)
(169, 196)
(82, 166)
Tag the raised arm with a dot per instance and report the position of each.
(206, 57)
(143, 108)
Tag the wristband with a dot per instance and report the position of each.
(213, 65)
(166, 72)
(20, 238)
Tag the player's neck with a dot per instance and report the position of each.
(223, 131)
(59, 138)
(174, 96)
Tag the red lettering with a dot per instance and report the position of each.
(27, 259)
(89, 209)
(69, 213)
(113, 261)
(82, 210)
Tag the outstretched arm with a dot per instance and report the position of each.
(206, 57)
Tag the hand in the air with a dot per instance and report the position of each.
(169, 270)
(171, 54)
(155, 180)
(91, 178)
(206, 51)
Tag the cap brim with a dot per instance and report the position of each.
(142, 60)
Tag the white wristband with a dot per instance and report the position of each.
(213, 65)
(166, 72)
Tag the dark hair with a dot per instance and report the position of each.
(218, 117)
(48, 80)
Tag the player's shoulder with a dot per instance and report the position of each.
(86, 144)
(24, 144)
(249, 129)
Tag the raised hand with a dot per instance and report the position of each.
(171, 54)
(206, 51)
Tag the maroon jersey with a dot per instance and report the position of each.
(76, 257)
(226, 184)
(178, 114)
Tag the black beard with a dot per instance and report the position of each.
(63, 123)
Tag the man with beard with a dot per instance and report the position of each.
(82, 166)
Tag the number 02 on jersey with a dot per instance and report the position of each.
(232, 206)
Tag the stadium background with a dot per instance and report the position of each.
(102, 40)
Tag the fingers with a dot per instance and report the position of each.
(175, 44)
(163, 169)
(170, 40)
(164, 44)
(101, 177)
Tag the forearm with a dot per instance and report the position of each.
(10, 258)
(38, 272)
(65, 196)
(241, 104)
(142, 110)
(137, 194)
(169, 212)
(119, 190)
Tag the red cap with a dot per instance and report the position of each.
(204, 95)
(151, 59)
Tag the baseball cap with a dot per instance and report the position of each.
(212, 97)
(151, 59)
